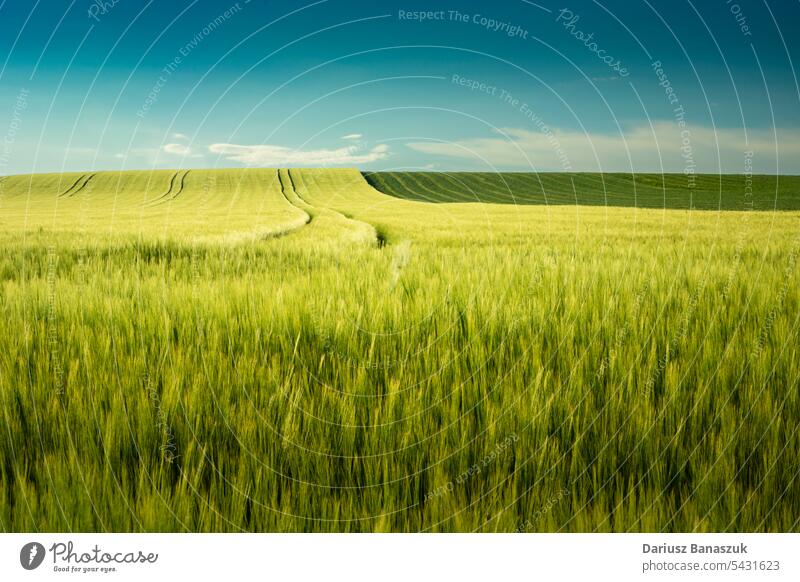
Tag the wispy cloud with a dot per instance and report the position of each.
(182, 136)
(177, 149)
(640, 148)
(272, 155)
(352, 136)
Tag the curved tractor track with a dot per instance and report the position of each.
(338, 224)
(72, 190)
(169, 196)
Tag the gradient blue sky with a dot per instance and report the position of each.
(290, 83)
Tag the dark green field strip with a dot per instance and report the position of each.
(430, 189)
(672, 191)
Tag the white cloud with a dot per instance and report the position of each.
(271, 155)
(177, 149)
(180, 136)
(640, 149)
(352, 136)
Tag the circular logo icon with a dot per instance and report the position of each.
(31, 555)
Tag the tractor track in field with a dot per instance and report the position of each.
(378, 237)
(165, 194)
(72, 191)
(292, 184)
(72, 187)
(288, 186)
(309, 216)
(183, 184)
(295, 190)
(291, 227)
(165, 197)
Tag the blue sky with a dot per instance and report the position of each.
(579, 85)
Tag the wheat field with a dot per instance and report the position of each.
(295, 350)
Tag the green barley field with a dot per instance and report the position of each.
(317, 350)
